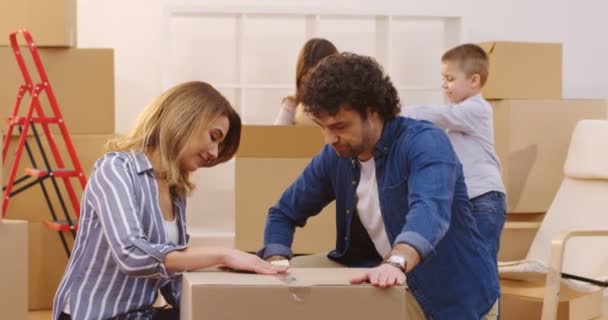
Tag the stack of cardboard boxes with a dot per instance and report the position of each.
(83, 83)
(532, 129)
(13, 263)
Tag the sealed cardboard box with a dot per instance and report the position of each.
(270, 158)
(523, 70)
(52, 23)
(531, 139)
(82, 80)
(302, 294)
(13, 269)
(523, 300)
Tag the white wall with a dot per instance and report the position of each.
(134, 28)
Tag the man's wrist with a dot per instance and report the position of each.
(410, 254)
(397, 261)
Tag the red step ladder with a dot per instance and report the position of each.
(32, 91)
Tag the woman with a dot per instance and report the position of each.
(292, 112)
(132, 238)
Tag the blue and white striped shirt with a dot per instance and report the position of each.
(116, 266)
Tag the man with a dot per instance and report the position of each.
(401, 201)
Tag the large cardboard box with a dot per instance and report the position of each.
(520, 70)
(82, 80)
(270, 158)
(531, 138)
(301, 295)
(52, 23)
(47, 258)
(523, 300)
(13, 269)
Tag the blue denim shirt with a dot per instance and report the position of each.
(424, 203)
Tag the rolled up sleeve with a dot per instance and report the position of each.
(433, 172)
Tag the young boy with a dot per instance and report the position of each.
(468, 121)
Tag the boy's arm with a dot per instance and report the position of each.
(306, 197)
(463, 117)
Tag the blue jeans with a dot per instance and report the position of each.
(489, 211)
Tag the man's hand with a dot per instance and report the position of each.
(383, 276)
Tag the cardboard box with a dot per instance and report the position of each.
(303, 294)
(520, 70)
(516, 239)
(270, 158)
(52, 23)
(13, 269)
(47, 263)
(531, 138)
(523, 300)
(82, 80)
(30, 204)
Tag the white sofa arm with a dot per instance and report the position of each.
(554, 270)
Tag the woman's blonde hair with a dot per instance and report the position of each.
(167, 124)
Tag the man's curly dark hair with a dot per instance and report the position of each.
(353, 80)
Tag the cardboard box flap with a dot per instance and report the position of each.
(304, 277)
(488, 47)
(280, 141)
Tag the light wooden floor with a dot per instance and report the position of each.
(46, 315)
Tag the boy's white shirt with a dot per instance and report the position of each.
(470, 127)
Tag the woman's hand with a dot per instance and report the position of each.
(239, 260)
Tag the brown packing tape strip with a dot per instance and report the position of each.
(492, 48)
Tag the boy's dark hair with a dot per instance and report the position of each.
(471, 58)
(353, 80)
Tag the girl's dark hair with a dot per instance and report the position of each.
(313, 51)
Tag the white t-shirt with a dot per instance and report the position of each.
(172, 230)
(368, 208)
